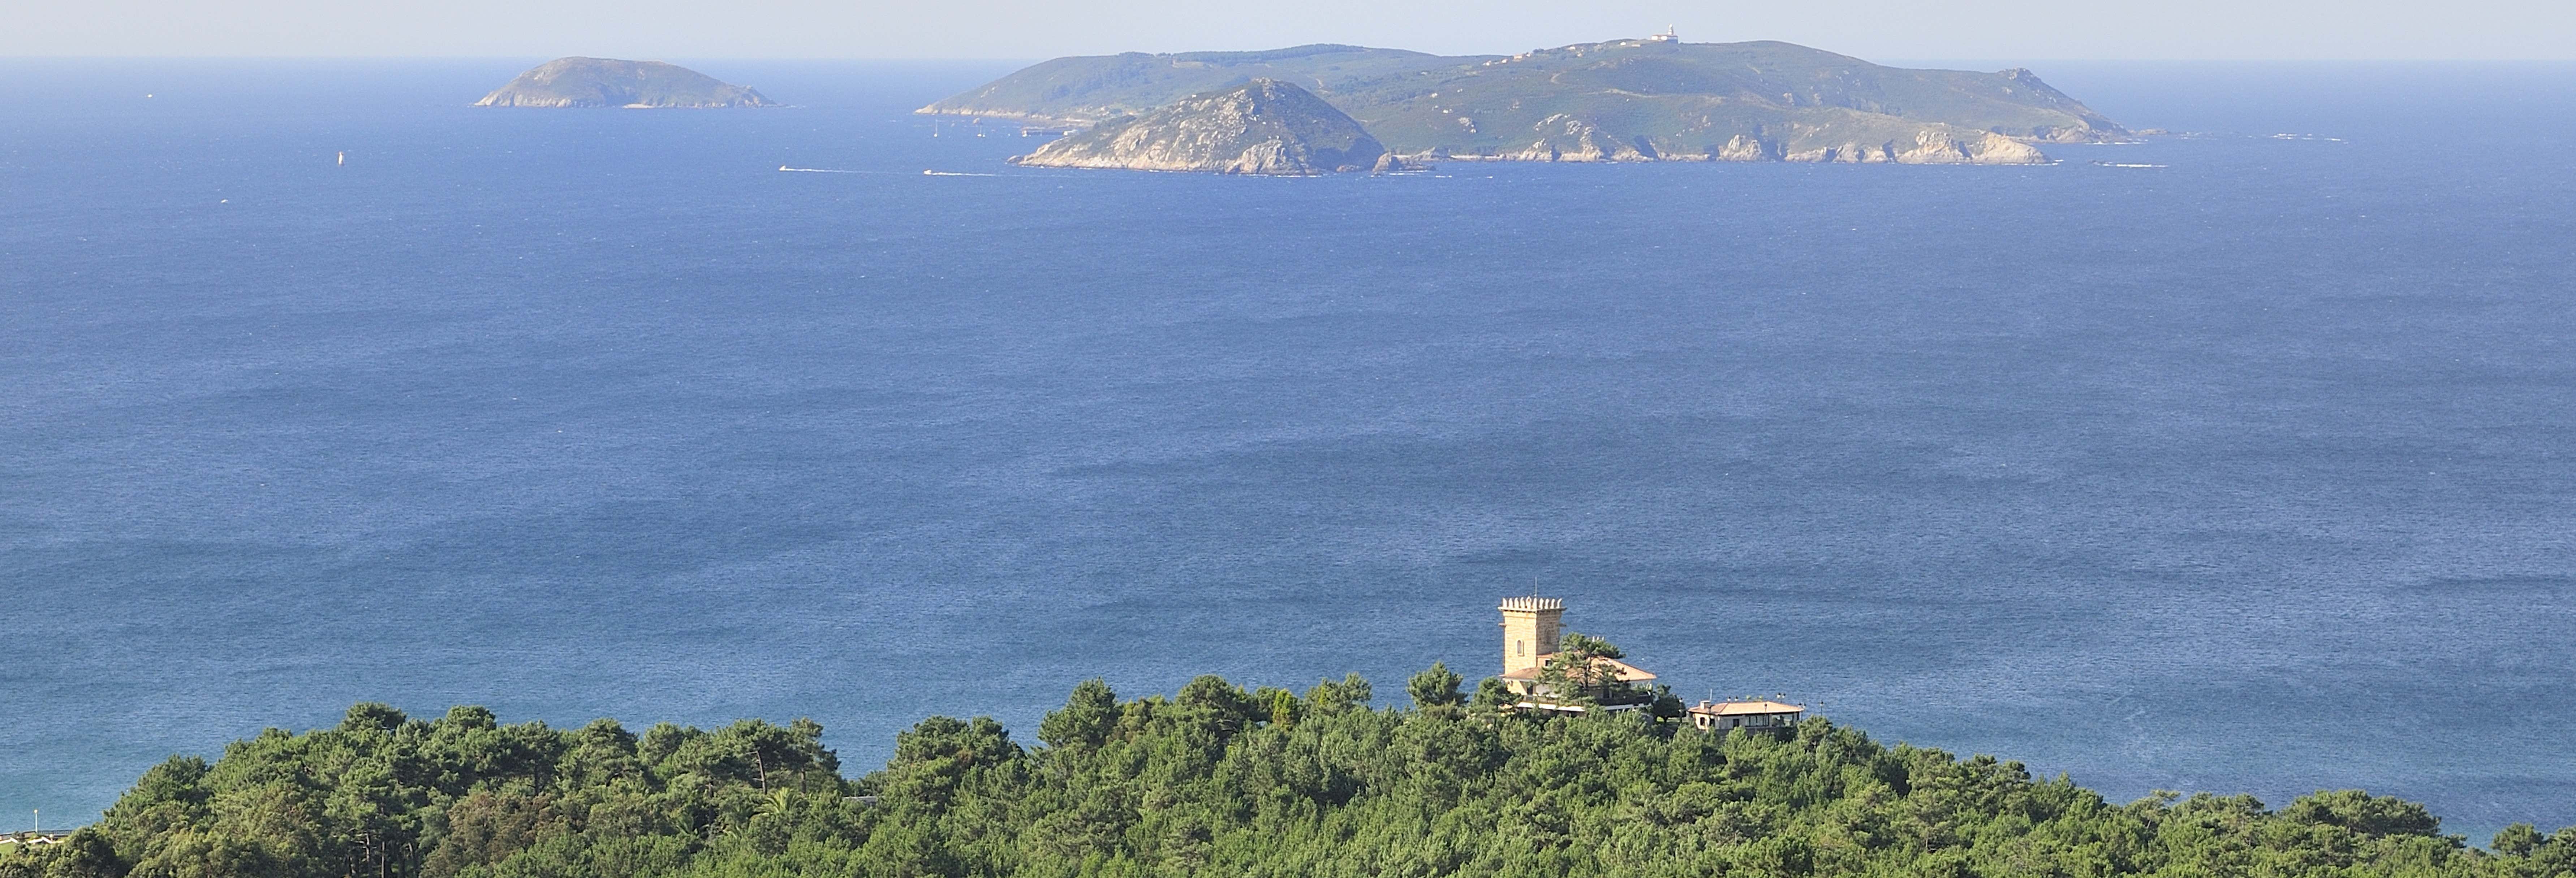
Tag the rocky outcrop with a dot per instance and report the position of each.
(1937, 145)
(608, 82)
(1391, 163)
(1563, 138)
(1988, 148)
(1264, 127)
(1746, 148)
(1930, 147)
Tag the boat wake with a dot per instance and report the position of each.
(954, 174)
(2127, 165)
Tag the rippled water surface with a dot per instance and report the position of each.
(2254, 471)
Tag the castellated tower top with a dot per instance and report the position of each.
(1532, 603)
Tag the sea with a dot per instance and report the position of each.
(2241, 459)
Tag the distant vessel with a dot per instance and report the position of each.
(344, 157)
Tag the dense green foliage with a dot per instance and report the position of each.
(1213, 780)
(1577, 674)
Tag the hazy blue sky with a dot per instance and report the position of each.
(1983, 29)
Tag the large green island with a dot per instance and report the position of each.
(1214, 780)
(1652, 99)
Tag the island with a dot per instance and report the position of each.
(1265, 126)
(609, 82)
(1649, 99)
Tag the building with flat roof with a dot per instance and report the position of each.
(1756, 715)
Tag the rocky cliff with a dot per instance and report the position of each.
(1262, 127)
(1623, 100)
(608, 82)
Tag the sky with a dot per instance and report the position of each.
(1030, 29)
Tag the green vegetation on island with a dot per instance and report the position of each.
(1213, 780)
(1623, 100)
(608, 82)
(1261, 127)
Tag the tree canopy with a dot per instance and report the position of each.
(1212, 780)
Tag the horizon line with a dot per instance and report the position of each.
(1033, 58)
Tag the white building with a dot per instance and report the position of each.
(1760, 715)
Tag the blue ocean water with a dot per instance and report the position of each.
(2251, 471)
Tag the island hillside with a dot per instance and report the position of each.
(608, 82)
(1262, 127)
(1624, 100)
(1214, 780)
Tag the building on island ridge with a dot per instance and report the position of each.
(1533, 629)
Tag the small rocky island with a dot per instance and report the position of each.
(608, 82)
(1265, 126)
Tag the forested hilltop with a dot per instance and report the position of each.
(1214, 780)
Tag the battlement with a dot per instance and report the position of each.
(1531, 604)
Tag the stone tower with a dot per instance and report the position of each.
(1530, 627)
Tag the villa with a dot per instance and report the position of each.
(1532, 630)
(1757, 715)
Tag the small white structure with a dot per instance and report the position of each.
(1760, 715)
(1670, 35)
